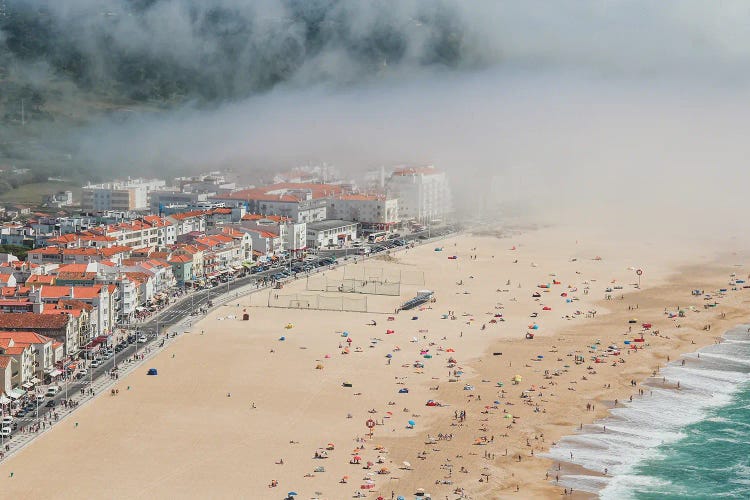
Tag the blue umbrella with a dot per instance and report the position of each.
(400, 498)
(282, 338)
(292, 494)
(389, 355)
(412, 423)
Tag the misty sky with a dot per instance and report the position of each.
(585, 100)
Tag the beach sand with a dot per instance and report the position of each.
(232, 401)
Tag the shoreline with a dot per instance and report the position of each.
(144, 428)
(692, 339)
(688, 400)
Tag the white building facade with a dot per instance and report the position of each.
(423, 193)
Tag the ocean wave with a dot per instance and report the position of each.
(639, 431)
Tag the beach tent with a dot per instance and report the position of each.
(152, 371)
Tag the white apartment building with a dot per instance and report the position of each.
(151, 230)
(423, 193)
(331, 233)
(373, 211)
(132, 194)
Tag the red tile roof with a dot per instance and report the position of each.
(33, 321)
(25, 337)
(189, 215)
(40, 279)
(284, 191)
(73, 268)
(180, 259)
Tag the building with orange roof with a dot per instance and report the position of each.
(42, 354)
(103, 298)
(187, 264)
(23, 354)
(7, 278)
(373, 211)
(61, 327)
(61, 256)
(301, 202)
(40, 279)
(188, 222)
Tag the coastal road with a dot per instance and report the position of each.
(186, 306)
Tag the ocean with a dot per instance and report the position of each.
(692, 442)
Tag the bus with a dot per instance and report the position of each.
(377, 237)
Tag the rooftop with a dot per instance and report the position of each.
(285, 191)
(329, 224)
(31, 320)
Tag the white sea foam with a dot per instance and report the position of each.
(635, 432)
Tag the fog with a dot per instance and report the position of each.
(629, 107)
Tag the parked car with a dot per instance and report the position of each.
(142, 339)
(40, 397)
(50, 403)
(95, 363)
(7, 420)
(5, 432)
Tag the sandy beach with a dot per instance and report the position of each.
(236, 409)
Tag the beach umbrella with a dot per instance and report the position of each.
(389, 355)
(400, 497)
(357, 457)
(508, 415)
(282, 338)
(540, 357)
(344, 334)
(412, 423)
(407, 465)
(292, 494)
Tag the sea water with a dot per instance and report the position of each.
(691, 442)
